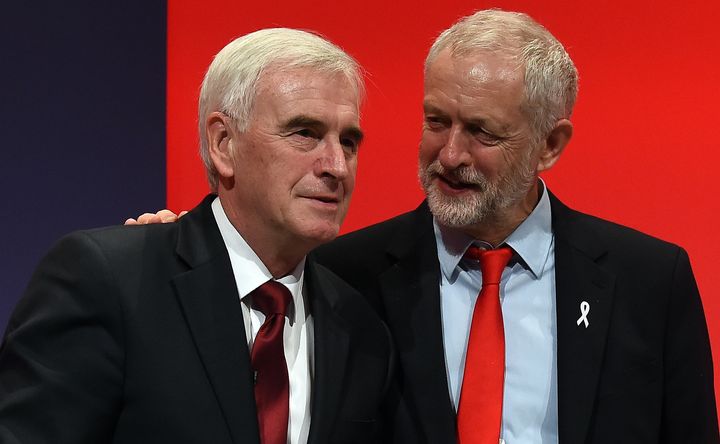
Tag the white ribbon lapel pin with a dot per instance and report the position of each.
(584, 310)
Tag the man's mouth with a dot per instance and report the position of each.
(454, 184)
(327, 199)
(324, 199)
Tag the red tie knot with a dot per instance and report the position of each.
(272, 298)
(492, 262)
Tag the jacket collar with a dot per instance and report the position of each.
(411, 294)
(581, 281)
(209, 299)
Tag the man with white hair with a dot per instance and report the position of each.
(217, 329)
(515, 318)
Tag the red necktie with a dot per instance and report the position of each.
(272, 388)
(480, 410)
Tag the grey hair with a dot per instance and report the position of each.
(230, 84)
(551, 79)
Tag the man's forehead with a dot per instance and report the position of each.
(475, 79)
(287, 80)
(310, 88)
(487, 69)
(307, 97)
(477, 66)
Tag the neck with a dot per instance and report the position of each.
(278, 251)
(278, 266)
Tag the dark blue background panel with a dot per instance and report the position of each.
(82, 113)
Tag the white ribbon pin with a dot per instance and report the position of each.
(584, 310)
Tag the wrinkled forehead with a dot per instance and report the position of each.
(476, 69)
(284, 76)
(327, 97)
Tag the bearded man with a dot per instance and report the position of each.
(594, 333)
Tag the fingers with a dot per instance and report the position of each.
(182, 213)
(167, 216)
(161, 217)
(149, 218)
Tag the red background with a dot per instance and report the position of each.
(645, 148)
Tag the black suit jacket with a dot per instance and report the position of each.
(135, 335)
(640, 373)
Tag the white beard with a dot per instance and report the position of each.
(487, 203)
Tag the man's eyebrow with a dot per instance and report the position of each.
(303, 121)
(429, 108)
(306, 121)
(482, 122)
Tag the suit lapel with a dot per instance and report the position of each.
(208, 296)
(411, 294)
(579, 278)
(331, 342)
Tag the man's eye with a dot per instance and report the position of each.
(485, 137)
(305, 132)
(434, 122)
(350, 145)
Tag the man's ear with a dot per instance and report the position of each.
(555, 143)
(220, 143)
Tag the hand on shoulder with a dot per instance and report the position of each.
(161, 217)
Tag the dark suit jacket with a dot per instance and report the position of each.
(640, 373)
(135, 335)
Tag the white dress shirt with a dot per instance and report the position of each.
(250, 273)
(527, 296)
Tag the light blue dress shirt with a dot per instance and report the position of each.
(527, 294)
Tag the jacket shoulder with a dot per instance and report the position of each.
(370, 243)
(620, 244)
(616, 234)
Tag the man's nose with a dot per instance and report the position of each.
(332, 160)
(456, 151)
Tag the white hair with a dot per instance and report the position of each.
(551, 80)
(230, 84)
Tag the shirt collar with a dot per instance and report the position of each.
(531, 240)
(250, 272)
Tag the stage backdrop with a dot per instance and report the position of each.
(82, 114)
(645, 151)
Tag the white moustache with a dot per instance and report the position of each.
(465, 175)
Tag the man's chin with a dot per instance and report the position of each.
(320, 233)
(454, 212)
